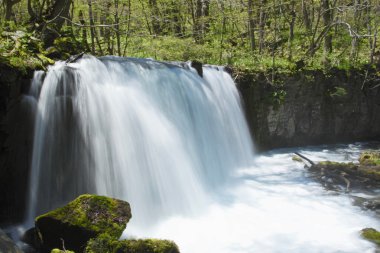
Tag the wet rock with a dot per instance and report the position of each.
(370, 158)
(88, 216)
(105, 244)
(347, 175)
(198, 66)
(31, 238)
(7, 245)
(371, 235)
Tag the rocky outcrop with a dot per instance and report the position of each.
(88, 216)
(311, 107)
(16, 136)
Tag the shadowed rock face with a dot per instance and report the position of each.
(16, 137)
(82, 219)
(311, 107)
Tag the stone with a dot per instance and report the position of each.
(7, 245)
(86, 217)
(370, 158)
(104, 243)
(371, 235)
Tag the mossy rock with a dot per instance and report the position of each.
(297, 159)
(371, 235)
(61, 251)
(329, 165)
(106, 244)
(82, 219)
(369, 158)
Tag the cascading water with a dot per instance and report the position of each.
(163, 138)
(152, 133)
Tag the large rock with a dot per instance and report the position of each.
(84, 218)
(7, 245)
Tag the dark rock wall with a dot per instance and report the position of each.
(313, 110)
(16, 136)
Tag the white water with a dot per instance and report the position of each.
(177, 147)
(273, 207)
(154, 134)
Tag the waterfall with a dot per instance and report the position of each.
(155, 134)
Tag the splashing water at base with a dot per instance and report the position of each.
(273, 207)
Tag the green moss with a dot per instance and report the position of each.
(105, 243)
(371, 235)
(338, 92)
(370, 158)
(297, 159)
(337, 165)
(61, 251)
(96, 213)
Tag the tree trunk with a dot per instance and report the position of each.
(92, 29)
(355, 40)
(327, 20)
(156, 24)
(306, 17)
(197, 30)
(291, 28)
(8, 8)
(117, 21)
(57, 14)
(251, 25)
(84, 31)
(262, 17)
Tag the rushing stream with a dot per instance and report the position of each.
(274, 206)
(177, 147)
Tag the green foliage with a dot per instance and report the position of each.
(338, 92)
(22, 50)
(278, 97)
(216, 34)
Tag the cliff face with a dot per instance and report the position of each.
(16, 137)
(311, 107)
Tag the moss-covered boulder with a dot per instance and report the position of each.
(86, 217)
(371, 235)
(104, 243)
